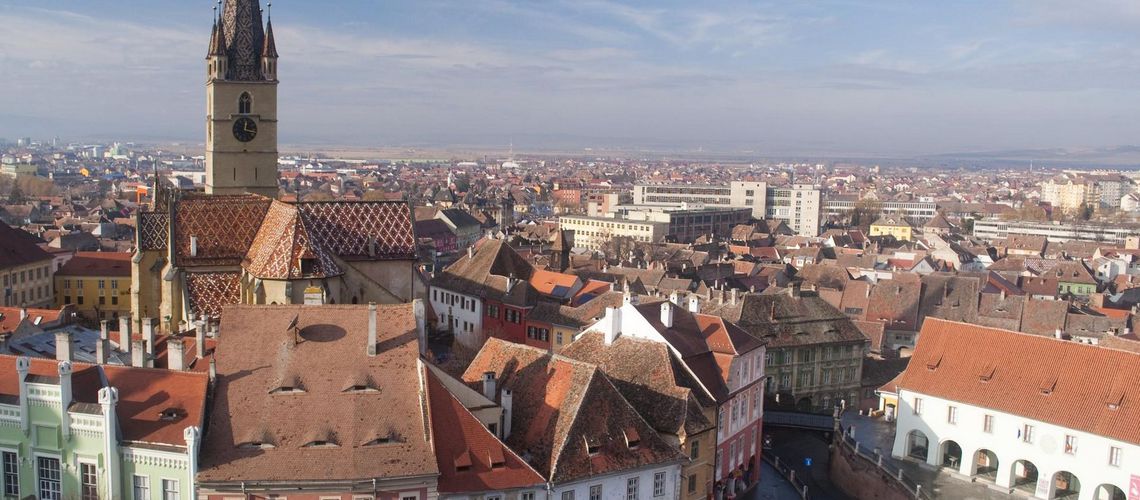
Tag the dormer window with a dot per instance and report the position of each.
(288, 389)
(245, 104)
(256, 445)
(320, 443)
(987, 373)
(308, 266)
(592, 446)
(632, 439)
(379, 441)
(171, 414)
(1048, 385)
(496, 458)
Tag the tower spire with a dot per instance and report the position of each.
(270, 48)
(244, 34)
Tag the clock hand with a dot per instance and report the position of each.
(247, 129)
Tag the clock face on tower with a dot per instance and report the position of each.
(245, 129)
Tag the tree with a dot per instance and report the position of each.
(1085, 212)
(16, 195)
(616, 247)
(865, 212)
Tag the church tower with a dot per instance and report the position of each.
(241, 102)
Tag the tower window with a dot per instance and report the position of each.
(245, 103)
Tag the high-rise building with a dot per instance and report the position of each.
(241, 103)
(798, 205)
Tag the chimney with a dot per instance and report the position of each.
(193, 437)
(675, 298)
(694, 304)
(23, 313)
(511, 282)
(193, 246)
(102, 350)
(175, 354)
(138, 354)
(1003, 294)
(489, 385)
(1059, 334)
(508, 407)
(612, 323)
(213, 369)
(108, 399)
(125, 333)
(104, 330)
(667, 314)
(64, 370)
(148, 336)
(626, 298)
(23, 364)
(63, 346)
(732, 296)
(471, 251)
(371, 328)
(200, 339)
(421, 325)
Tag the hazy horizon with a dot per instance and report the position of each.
(834, 77)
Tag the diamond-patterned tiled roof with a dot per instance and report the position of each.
(154, 228)
(208, 292)
(349, 229)
(281, 244)
(224, 225)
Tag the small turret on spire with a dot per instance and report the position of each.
(270, 46)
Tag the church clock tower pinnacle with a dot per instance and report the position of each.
(241, 102)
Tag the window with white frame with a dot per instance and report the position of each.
(1114, 456)
(659, 484)
(988, 423)
(952, 414)
(1070, 444)
(11, 473)
(596, 492)
(528, 495)
(88, 481)
(48, 475)
(568, 495)
(918, 406)
(631, 488)
(170, 490)
(1027, 433)
(141, 487)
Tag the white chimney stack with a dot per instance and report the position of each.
(675, 298)
(667, 314)
(1058, 334)
(23, 365)
(200, 339)
(371, 328)
(489, 385)
(175, 354)
(508, 407)
(138, 354)
(104, 330)
(64, 370)
(612, 323)
(421, 325)
(23, 313)
(148, 336)
(732, 296)
(63, 345)
(694, 304)
(102, 350)
(125, 333)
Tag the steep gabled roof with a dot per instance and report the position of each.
(464, 449)
(281, 244)
(1069, 384)
(18, 248)
(562, 410)
(491, 258)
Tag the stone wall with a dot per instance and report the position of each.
(859, 477)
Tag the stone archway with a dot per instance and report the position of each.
(804, 404)
(917, 445)
(985, 465)
(950, 455)
(1064, 486)
(1109, 492)
(1024, 476)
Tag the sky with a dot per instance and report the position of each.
(822, 77)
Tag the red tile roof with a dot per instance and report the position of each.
(461, 441)
(378, 433)
(10, 317)
(97, 264)
(1097, 389)
(18, 248)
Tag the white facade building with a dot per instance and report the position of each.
(799, 205)
(1056, 420)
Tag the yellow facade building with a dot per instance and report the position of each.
(98, 284)
(893, 225)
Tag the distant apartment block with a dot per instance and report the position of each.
(798, 205)
(647, 223)
(836, 206)
(991, 229)
(1070, 193)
